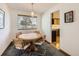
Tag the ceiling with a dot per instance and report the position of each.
(38, 7)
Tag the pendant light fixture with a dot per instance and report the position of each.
(32, 12)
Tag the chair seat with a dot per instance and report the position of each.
(18, 48)
(26, 46)
(39, 43)
(20, 44)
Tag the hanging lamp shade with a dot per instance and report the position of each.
(32, 12)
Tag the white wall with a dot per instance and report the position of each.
(46, 27)
(69, 32)
(14, 14)
(5, 33)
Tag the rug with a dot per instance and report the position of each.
(43, 50)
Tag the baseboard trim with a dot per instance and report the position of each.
(7, 48)
(60, 49)
(64, 52)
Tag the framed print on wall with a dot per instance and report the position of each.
(26, 22)
(68, 17)
(2, 17)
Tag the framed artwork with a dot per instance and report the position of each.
(25, 22)
(2, 18)
(68, 17)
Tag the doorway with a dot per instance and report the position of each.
(55, 19)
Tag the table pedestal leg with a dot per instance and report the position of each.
(32, 47)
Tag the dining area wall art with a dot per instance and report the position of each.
(25, 22)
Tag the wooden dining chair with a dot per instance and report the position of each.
(40, 41)
(19, 43)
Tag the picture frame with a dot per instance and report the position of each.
(26, 22)
(68, 17)
(2, 19)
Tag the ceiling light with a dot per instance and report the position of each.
(32, 12)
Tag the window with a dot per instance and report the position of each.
(2, 18)
(25, 22)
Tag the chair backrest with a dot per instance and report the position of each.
(17, 43)
(17, 34)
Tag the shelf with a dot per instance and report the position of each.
(56, 18)
(55, 27)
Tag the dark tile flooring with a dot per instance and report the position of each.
(43, 50)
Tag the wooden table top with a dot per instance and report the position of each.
(30, 36)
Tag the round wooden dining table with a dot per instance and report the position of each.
(31, 38)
